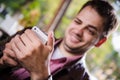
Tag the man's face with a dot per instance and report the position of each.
(84, 31)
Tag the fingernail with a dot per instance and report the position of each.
(51, 34)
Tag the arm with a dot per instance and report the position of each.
(32, 54)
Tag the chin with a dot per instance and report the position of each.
(70, 46)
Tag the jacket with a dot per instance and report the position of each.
(75, 71)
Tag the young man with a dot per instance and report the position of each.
(91, 27)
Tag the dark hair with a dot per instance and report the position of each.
(106, 10)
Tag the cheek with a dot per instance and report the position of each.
(90, 39)
(71, 26)
(68, 30)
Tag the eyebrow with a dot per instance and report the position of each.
(88, 25)
(78, 19)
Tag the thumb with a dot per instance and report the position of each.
(51, 40)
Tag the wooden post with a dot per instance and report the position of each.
(59, 14)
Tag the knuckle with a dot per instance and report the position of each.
(30, 50)
(4, 58)
(21, 58)
(27, 31)
(7, 44)
(38, 45)
(24, 58)
(22, 35)
(4, 51)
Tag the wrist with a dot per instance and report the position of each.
(39, 75)
(49, 77)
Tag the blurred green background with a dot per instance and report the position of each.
(103, 62)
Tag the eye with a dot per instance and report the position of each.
(77, 21)
(91, 31)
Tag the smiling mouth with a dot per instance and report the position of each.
(75, 39)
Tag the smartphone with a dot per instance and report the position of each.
(42, 35)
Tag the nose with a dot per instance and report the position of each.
(81, 28)
(80, 31)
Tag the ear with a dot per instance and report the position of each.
(101, 42)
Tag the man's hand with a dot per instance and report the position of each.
(32, 53)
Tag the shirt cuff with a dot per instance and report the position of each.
(50, 77)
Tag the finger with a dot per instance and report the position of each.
(16, 47)
(8, 50)
(9, 53)
(50, 42)
(25, 39)
(27, 42)
(8, 45)
(32, 36)
(8, 61)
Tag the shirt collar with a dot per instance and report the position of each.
(67, 60)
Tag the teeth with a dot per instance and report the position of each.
(78, 38)
(75, 37)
